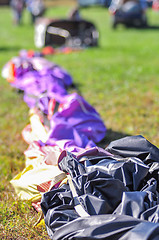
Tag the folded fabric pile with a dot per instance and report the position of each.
(84, 191)
(58, 121)
(110, 194)
(35, 77)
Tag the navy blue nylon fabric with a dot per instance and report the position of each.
(119, 192)
(135, 146)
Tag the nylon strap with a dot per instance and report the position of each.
(78, 207)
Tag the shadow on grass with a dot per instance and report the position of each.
(153, 27)
(148, 27)
(111, 136)
(9, 48)
(75, 88)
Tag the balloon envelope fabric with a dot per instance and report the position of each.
(78, 120)
(108, 194)
(119, 192)
(36, 76)
(72, 123)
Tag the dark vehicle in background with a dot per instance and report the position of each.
(129, 13)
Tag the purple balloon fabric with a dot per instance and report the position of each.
(36, 76)
(74, 124)
(77, 120)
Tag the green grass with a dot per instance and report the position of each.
(120, 78)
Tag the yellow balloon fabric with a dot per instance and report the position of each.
(26, 183)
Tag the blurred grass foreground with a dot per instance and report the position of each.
(120, 78)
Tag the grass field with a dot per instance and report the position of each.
(120, 78)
